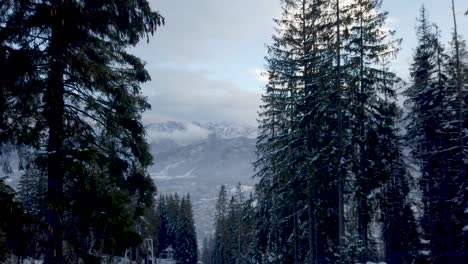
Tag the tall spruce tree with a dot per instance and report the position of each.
(235, 231)
(247, 236)
(241, 219)
(173, 210)
(176, 227)
(367, 46)
(325, 55)
(399, 230)
(457, 141)
(32, 188)
(292, 136)
(458, 74)
(434, 134)
(186, 237)
(221, 249)
(340, 131)
(76, 99)
(163, 236)
(460, 93)
(234, 220)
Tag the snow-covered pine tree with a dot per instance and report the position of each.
(340, 135)
(163, 229)
(234, 233)
(459, 75)
(221, 249)
(234, 218)
(456, 147)
(399, 229)
(273, 140)
(292, 132)
(247, 237)
(85, 90)
(31, 190)
(457, 72)
(433, 134)
(367, 45)
(173, 210)
(186, 246)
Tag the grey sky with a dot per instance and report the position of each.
(205, 61)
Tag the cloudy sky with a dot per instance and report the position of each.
(206, 61)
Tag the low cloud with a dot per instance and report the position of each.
(184, 95)
(209, 30)
(197, 60)
(191, 133)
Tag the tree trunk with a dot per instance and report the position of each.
(296, 242)
(461, 120)
(312, 225)
(362, 208)
(55, 144)
(340, 136)
(459, 85)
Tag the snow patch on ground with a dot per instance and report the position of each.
(165, 175)
(13, 259)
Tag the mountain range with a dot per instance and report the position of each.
(197, 158)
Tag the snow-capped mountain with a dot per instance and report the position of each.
(200, 166)
(190, 132)
(168, 127)
(229, 130)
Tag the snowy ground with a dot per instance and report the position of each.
(116, 261)
(122, 261)
(164, 261)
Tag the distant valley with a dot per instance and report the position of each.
(198, 158)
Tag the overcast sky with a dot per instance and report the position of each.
(205, 62)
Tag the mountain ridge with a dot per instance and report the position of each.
(222, 156)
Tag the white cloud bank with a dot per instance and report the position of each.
(192, 96)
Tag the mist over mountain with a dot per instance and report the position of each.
(185, 133)
(197, 158)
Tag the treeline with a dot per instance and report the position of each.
(19, 232)
(345, 174)
(108, 220)
(334, 185)
(234, 230)
(70, 109)
(23, 231)
(176, 228)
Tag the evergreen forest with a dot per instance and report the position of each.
(354, 163)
